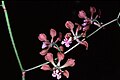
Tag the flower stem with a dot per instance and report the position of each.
(23, 75)
(36, 66)
(57, 47)
(118, 19)
(11, 37)
(101, 27)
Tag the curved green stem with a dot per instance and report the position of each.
(57, 47)
(10, 33)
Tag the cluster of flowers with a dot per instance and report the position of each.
(68, 39)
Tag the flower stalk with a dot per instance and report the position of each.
(77, 43)
(11, 36)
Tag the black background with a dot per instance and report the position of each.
(30, 18)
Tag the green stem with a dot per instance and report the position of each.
(57, 47)
(101, 27)
(10, 33)
(23, 78)
(118, 19)
(36, 66)
(23, 75)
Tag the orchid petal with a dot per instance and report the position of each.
(44, 52)
(60, 56)
(78, 28)
(82, 14)
(63, 42)
(69, 25)
(42, 37)
(67, 35)
(58, 76)
(86, 28)
(70, 62)
(61, 48)
(67, 44)
(66, 73)
(54, 75)
(44, 45)
(53, 32)
(92, 11)
(60, 37)
(49, 57)
(85, 43)
(45, 67)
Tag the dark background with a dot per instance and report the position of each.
(30, 18)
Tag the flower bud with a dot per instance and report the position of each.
(92, 10)
(82, 14)
(44, 52)
(70, 63)
(45, 67)
(49, 57)
(42, 37)
(69, 25)
(53, 33)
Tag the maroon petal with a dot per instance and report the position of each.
(78, 27)
(69, 25)
(66, 73)
(86, 28)
(53, 32)
(70, 62)
(61, 48)
(99, 13)
(67, 35)
(85, 43)
(92, 10)
(45, 67)
(82, 14)
(49, 57)
(44, 52)
(60, 36)
(60, 56)
(42, 37)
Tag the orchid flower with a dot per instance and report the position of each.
(57, 68)
(88, 21)
(48, 44)
(69, 38)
